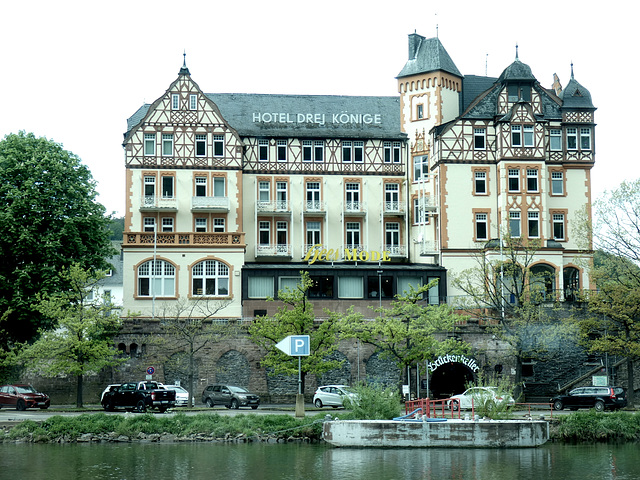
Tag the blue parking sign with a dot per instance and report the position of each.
(295, 345)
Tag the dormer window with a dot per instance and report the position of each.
(516, 92)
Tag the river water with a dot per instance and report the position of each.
(141, 461)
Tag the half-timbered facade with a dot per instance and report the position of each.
(230, 196)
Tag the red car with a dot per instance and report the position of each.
(22, 396)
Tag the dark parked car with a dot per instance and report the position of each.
(22, 396)
(229, 396)
(139, 396)
(599, 398)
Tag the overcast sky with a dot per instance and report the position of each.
(74, 71)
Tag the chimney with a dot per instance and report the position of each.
(414, 44)
(557, 87)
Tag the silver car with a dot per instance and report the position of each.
(182, 396)
(332, 396)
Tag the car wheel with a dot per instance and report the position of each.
(21, 405)
(141, 407)
(557, 405)
(209, 403)
(599, 406)
(234, 404)
(318, 403)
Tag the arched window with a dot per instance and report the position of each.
(571, 283)
(542, 282)
(159, 281)
(210, 278)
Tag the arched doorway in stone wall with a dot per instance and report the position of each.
(450, 379)
(233, 369)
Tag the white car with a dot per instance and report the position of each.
(478, 396)
(332, 395)
(182, 396)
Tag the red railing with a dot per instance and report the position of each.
(434, 408)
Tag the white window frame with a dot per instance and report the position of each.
(168, 186)
(281, 150)
(557, 183)
(264, 191)
(264, 232)
(515, 227)
(533, 222)
(313, 233)
(513, 174)
(219, 225)
(555, 139)
(352, 237)
(479, 138)
(481, 219)
(347, 151)
(420, 168)
(318, 151)
(282, 195)
(392, 196)
(420, 215)
(200, 224)
(585, 138)
(149, 224)
(516, 135)
(193, 101)
(201, 144)
(167, 224)
(175, 101)
(210, 271)
(161, 275)
(150, 188)
(282, 236)
(263, 150)
(313, 195)
(528, 135)
(167, 144)
(391, 236)
(358, 152)
(200, 186)
(218, 145)
(558, 219)
(149, 144)
(480, 179)
(532, 180)
(352, 196)
(572, 138)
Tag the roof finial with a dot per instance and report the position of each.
(517, 51)
(184, 70)
(572, 69)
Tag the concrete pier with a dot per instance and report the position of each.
(450, 433)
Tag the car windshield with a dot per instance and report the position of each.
(238, 389)
(25, 389)
(178, 389)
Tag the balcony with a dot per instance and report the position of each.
(428, 204)
(182, 239)
(315, 207)
(354, 209)
(396, 251)
(283, 250)
(278, 207)
(428, 247)
(153, 203)
(394, 208)
(210, 204)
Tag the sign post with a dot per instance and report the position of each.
(297, 346)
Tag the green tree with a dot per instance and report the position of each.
(49, 220)
(505, 291)
(82, 342)
(614, 328)
(409, 331)
(189, 327)
(296, 317)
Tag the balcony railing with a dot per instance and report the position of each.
(353, 207)
(154, 202)
(283, 250)
(397, 208)
(210, 204)
(277, 206)
(314, 206)
(396, 250)
(180, 239)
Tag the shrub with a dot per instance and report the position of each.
(373, 402)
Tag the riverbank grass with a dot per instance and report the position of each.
(592, 426)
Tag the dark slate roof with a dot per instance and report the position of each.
(378, 117)
(517, 71)
(427, 55)
(575, 96)
(474, 85)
